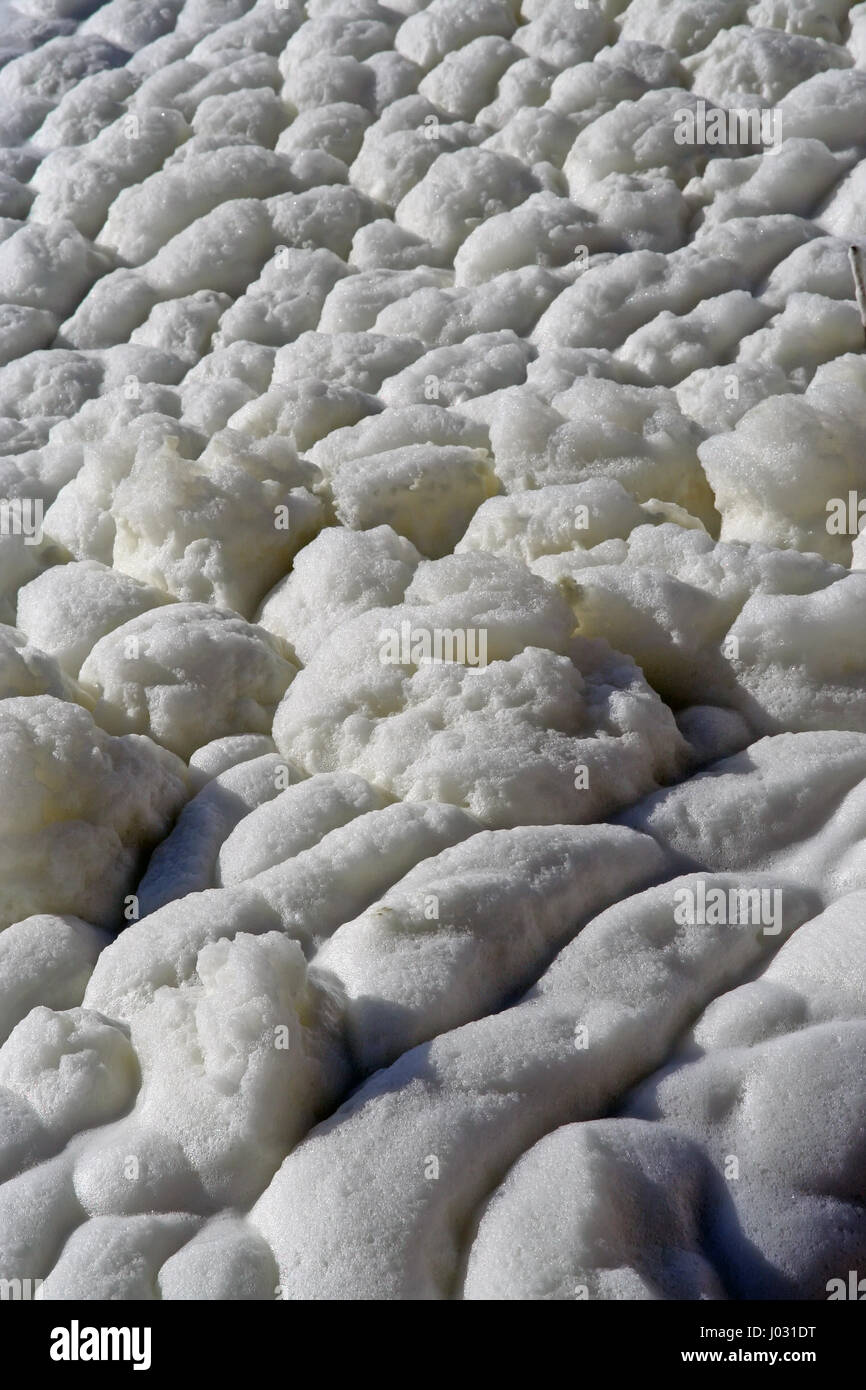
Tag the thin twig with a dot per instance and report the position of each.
(855, 256)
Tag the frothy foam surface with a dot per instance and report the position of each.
(432, 700)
